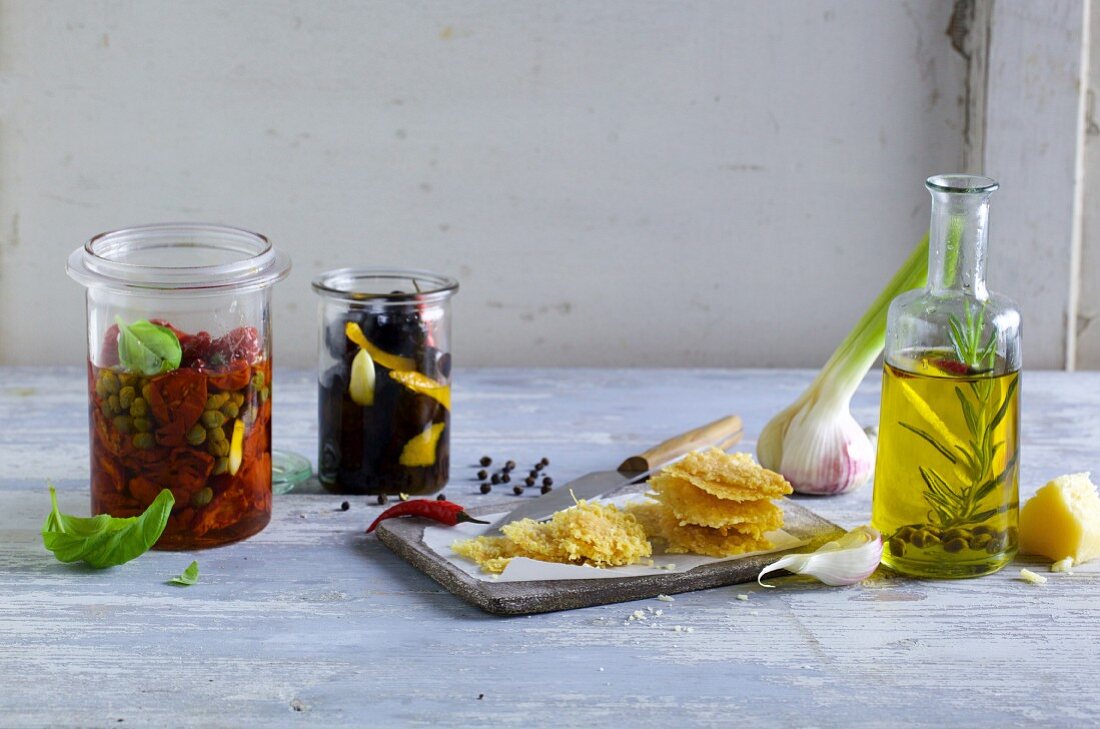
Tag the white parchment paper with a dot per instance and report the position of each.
(522, 569)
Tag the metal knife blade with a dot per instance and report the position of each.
(588, 486)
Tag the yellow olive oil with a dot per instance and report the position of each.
(946, 495)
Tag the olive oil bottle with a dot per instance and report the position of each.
(946, 495)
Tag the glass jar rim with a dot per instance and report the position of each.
(252, 262)
(961, 182)
(339, 283)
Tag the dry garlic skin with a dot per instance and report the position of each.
(1062, 520)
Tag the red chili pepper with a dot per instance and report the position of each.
(445, 512)
(951, 366)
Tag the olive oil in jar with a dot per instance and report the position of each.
(946, 478)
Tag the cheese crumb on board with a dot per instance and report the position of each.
(1062, 520)
(1032, 578)
(743, 598)
(587, 533)
(666, 598)
(1063, 565)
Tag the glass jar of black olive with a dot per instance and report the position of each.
(384, 380)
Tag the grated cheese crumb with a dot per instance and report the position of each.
(601, 668)
(1032, 578)
(689, 630)
(659, 613)
(666, 598)
(638, 615)
(743, 597)
(1063, 565)
(678, 628)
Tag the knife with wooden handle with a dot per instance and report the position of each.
(722, 433)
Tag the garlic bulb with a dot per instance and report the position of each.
(820, 450)
(845, 561)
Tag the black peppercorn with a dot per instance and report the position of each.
(485, 460)
(517, 490)
(382, 499)
(545, 461)
(505, 477)
(548, 481)
(546, 489)
(530, 481)
(509, 465)
(482, 475)
(486, 487)
(536, 468)
(441, 497)
(345, 506)
(495, 479)
(534, 473)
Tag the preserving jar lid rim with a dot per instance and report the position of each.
(265, 266)
(325, 284)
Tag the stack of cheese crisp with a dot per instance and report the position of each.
(713, 503)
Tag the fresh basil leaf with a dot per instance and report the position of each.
(189, 577)
(104, 541)
(147, 348)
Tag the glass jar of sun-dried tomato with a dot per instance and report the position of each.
(179, 376)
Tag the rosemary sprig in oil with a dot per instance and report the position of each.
(951, 506)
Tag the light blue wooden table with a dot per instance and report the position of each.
(311, 622)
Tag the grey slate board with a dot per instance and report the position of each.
(405, 538)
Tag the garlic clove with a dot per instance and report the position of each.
(361, 385)
(236, 447)
(845, 561)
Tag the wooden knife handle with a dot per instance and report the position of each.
(722, 433)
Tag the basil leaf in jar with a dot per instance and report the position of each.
(147, 348)
(189, 577)
(105, 541)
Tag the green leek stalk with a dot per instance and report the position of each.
(815, 443)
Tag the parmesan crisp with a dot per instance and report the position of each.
(713, 503)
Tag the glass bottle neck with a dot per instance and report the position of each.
(957, 242)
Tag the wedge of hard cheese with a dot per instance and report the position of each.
(1062, 520)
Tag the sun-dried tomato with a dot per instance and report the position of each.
(257, 439)
(184, 471)
(195, 348)
(104, 436)
(176, 401)
(115, 504)
(108, 352)
(236, 376)
(240, 343)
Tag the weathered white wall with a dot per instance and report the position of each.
(1088, 309)
(613, 182)
(1033, 145)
